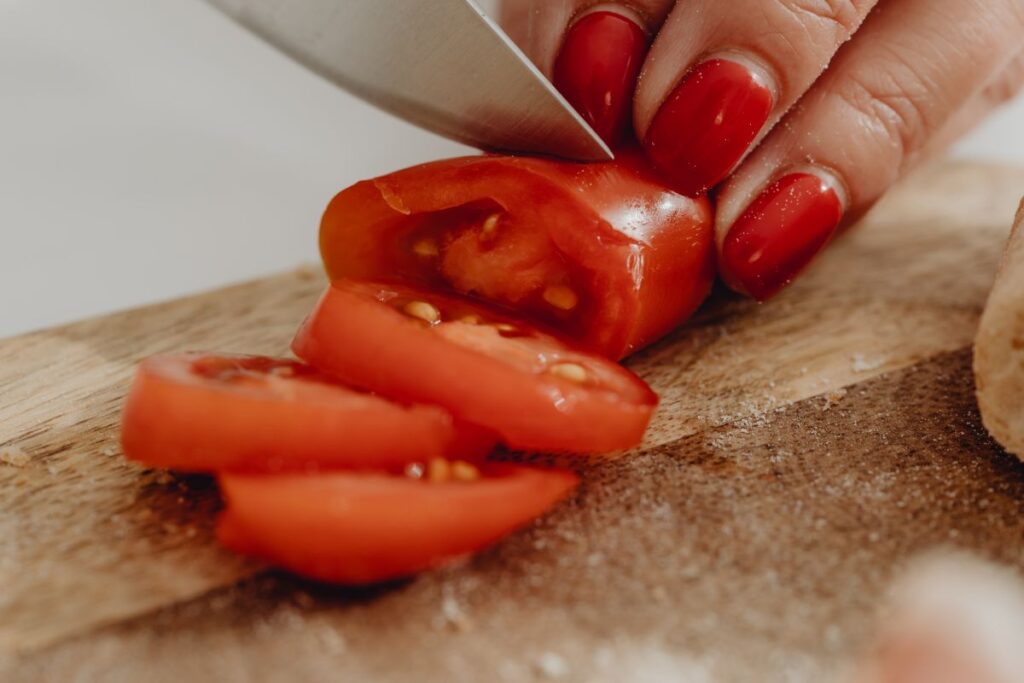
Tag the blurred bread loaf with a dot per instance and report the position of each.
(999, 349)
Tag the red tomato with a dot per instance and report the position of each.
(365, 527)
(488, 368)
(199, 412)
(605, 252)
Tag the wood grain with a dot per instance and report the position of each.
(804, 450)
(88, 537)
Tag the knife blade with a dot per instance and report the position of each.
(443, 65)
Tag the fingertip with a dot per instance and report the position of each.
(709, 121)
(780, 231)
(598, 64)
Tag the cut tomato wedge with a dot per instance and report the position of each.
(486, 367)
(202, 412)
(605, 253)
(359, 528)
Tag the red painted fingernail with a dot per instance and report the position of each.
(597, 68)
(707, 123)
(779, 233)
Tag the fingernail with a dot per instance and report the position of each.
(780, 232)
(597, 68)
(707, 124)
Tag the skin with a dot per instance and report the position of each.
(881, 84)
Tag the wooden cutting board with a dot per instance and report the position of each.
(804, 450)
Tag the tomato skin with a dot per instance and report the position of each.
(646, 251)
(352, 334)
(177, 417)
(359, 528)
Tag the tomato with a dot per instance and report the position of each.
(200, 412)
(364, 527)
(486, 367)
(604, 252)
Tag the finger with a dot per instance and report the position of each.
(1007, 84)
(592, 52)
(537, 26)
(999, 90)
(719, 74)
(911, 68)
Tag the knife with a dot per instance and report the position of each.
(443, 65)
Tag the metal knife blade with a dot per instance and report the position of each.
(440, 64)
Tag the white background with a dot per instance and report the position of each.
(149, 148)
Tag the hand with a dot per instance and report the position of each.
(808, 110)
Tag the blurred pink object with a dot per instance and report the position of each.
(952, 619)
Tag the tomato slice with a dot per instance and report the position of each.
(202, 412)
(357, 528)
(605, 253)
(534, 390)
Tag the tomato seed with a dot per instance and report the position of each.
(464, 471)
(490, 226)
(573, 372)
(471, 319)
(423, 311)
(506, 330)
(561, 297)
(426, 247)
(439, 469)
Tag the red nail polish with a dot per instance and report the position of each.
(779, 234)
(707, 123)
(597, 68)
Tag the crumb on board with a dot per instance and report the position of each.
(833, 398)
(14, 456)
(451, 615)
(862, 363)
(551, 665)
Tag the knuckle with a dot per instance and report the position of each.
(841, 16)
(895, 109)
(1008, 84)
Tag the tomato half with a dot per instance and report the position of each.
(201, 412)
(488, 368)
(359, 528)
(605, 253)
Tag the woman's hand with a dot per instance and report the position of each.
(801, 112)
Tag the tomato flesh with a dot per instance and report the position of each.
(485, 366)
(358, 528)
(605, 253)
(484, 251)
(203, 412)
(484, 298)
